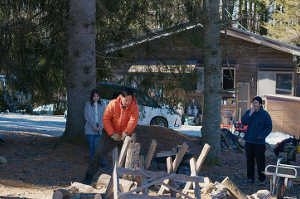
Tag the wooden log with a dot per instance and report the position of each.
(263, 194)
(169, 170)
(133, 157)
(202, 157)
(194, 173)
(150, 154)
(199, 164)
(124, 151)
(133, 154)
(138, 189)
(179, 156)
(141, 179)
(234, 190)
(176, 191)
(116, 186)
(175, 164)
(110, 188)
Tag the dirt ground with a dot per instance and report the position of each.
(37, 164)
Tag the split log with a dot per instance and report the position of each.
(169, 170)
(124, 151)
(112, 186)
(140, 179)
(234, 190)
(116, 187)
(194, 173)
(179, 156)
(199, 164)
(262, 194)
(150, 154)
(125, 185)
(176, 191)
(174, 166)
(77, 190)
(202, 157)
(132, 158)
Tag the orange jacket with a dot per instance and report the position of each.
(117, 119)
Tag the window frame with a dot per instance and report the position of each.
(293, 79)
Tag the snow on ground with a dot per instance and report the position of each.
(275, 137)
(44, 124)
(55, 126)
(190, 130)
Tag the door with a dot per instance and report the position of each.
(243, 98)
(266, 84)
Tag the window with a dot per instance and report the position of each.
(228, 79)
(284, 83)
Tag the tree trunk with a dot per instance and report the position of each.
(213, 82)
(81, 69)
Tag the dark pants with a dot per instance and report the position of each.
(106, 145)
(255, 152)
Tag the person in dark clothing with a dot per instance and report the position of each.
(259, 127)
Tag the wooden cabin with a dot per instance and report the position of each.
(252, 64)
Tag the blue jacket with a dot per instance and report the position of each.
(259, 126)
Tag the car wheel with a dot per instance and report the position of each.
(159, 121)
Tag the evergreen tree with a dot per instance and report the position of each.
(284, 24)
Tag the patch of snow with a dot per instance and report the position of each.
(189, 130)
(44, 124)
(276, 137)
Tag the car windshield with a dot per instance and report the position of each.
(144, 99)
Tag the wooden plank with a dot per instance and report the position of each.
(150, 154)
(169, 170)
(124, 151)
(116, 186)
(141, 172)
(173, 176)
(179, 156)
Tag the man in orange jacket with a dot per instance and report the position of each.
(119, 119)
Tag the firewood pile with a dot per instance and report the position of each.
(132, 179)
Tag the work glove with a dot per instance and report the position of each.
(124, 134)
(116, 137)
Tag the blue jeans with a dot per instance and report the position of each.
(93, 144)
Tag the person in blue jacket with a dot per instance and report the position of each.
(259, 127)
